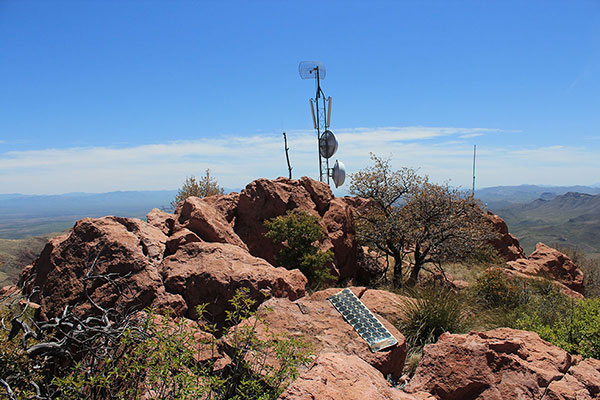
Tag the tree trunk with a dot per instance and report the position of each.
(418, 264)
(414, 274)
(397, 270)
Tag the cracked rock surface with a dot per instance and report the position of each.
(499, 364)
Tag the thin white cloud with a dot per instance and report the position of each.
(470, 135)
(235, 161)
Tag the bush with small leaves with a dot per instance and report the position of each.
(573, 325)
(299, 232)
(155, 358)
(493, 289)
(203, 187)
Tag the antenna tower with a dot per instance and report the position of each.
(320, 108)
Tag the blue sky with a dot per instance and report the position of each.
(125, 95)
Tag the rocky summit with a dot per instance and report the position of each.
(209, 247)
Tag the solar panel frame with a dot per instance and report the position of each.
(364, 322)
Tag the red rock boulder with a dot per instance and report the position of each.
(335, 376)
(552, 264)
(238, 218)
(125, 250)
(339, 222)
(206, 220)
(162, 220)
(202, 272)
(500, 364)
(120, 263)
(506, 244)
(581, 382)
(264, 199)
(320, 193)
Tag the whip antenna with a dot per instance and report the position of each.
(473, 189)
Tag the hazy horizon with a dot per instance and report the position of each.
(337, 191)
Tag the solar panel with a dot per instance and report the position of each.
(362, 320)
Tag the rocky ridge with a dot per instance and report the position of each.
(211, 246)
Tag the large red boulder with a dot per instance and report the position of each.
(162, 220)
(500, 364)
(506, 244)
(321, 325)
(181, 238)
(335, 376)
(209, 223)
(550, 263)
(320, 193)
(239, 218)
(581, 382)
(120, 263)
(262, 200)
(115, 260)
(202, 272)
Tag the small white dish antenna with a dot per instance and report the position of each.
(328, 144)
(309, 69)
(338, 173)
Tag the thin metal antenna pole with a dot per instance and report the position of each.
(473, 189)
(326, 141)
(317, 95)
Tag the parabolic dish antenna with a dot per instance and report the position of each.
(308, 69)
(338, 173)
(328, 144)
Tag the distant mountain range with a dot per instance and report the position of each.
(571, 219)
(552, 214)
(33, 215)
(498, 197)
(28, 215)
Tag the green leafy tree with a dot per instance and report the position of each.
(408, 215)
(441, 223)
(380, 224)
(203, 187)
(299, 234)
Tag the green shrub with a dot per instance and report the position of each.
(250, 376)
(538, 305)
(299, 232)
(574, 325)
(16, 369)
(589, 266)
(493, 289)
(158, 359)
(203, 187)
(431, 312)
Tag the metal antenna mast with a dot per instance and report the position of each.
(473, 189)
(327, 143)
